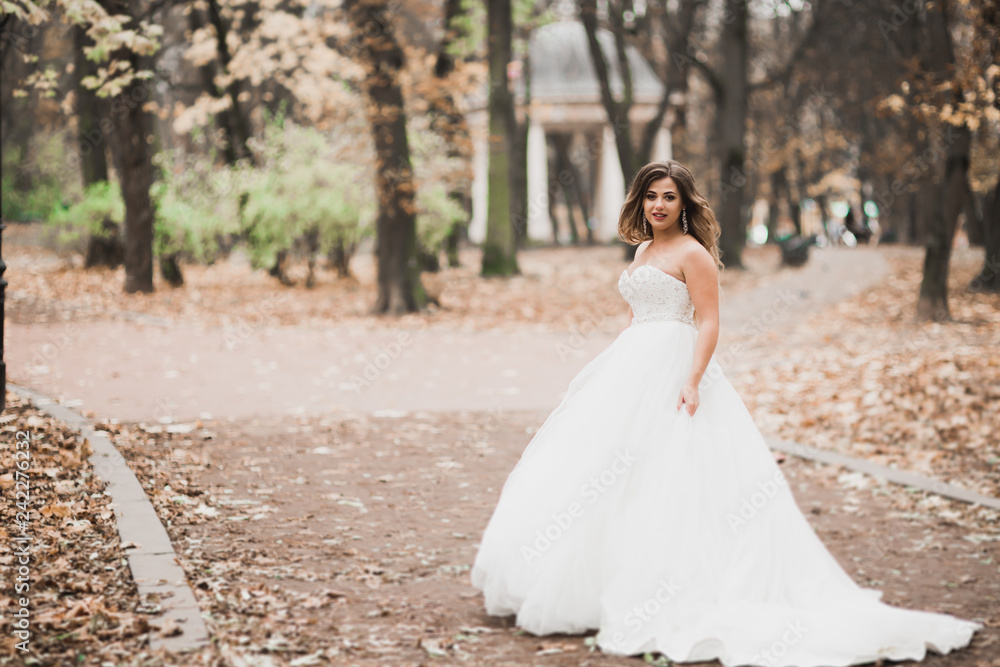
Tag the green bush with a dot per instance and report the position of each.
(101, 202)
(437, 213)
(196, 205)
(435, 175)
(305, 189)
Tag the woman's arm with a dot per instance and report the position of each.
(702, 277)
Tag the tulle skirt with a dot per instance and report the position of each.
(675, 533)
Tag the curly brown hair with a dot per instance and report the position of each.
(702, 224)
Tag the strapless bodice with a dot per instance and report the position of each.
(656, 296)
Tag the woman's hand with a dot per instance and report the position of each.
(688, 398)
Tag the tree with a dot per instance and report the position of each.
(500, 246)
(952, 188)
(731, 120)
(617, 110)
(449, 122)
(106, 248)
(988, 279)
(399, 287)
(232, 120)
(678, 30)
(986, 21)
(132, 154)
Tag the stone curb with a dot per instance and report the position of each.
(903, 477)
(153, 562)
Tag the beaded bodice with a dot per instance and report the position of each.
(656, 296)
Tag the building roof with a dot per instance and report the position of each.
(562, 70)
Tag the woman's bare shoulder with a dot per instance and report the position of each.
(642, 246)
(693, 248)
(696, 256)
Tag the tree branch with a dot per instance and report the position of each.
(781, 77)
(614, 14)
(714, 80)
(588, 15)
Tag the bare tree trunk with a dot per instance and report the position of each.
(679, 26)
(340, 257)
(89, 110)
(237, 127)
(452, 127)
(951, 193)
(795, 211)
(779, 183)
(399, 287)
(974, 219)
(134, 166)
(280, 268)
(170, 269)
(519, 180)
(731, 128)
(500, 247)
(988, 279)
(562, 143)
(459, 231)
(947, 202)
(618, 111)
(136, 172)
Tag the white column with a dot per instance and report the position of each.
(611, 187)
(663, 148)
(539, 225)
(480, 176)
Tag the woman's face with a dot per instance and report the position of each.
(662, 204)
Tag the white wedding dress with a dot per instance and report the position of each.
(676, 533)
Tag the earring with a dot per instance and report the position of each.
(648, 227)
(684, 219)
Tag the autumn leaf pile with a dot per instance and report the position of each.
(83, 604)
(864, 379)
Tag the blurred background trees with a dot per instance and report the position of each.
(151, 133)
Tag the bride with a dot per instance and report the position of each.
(648, 506)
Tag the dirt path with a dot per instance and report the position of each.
(350, 537)
(148, 368)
